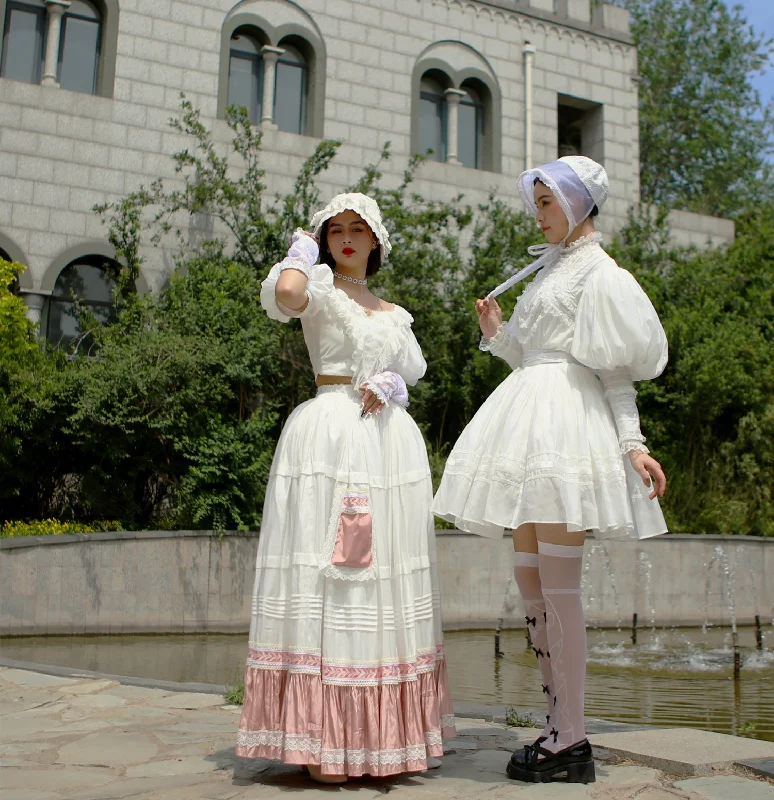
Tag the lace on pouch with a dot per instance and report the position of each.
(349, 553)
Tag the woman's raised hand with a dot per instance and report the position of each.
(490, 316)
(646, 467)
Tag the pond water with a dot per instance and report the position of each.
(681, 677)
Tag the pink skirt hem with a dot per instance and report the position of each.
(377, 730)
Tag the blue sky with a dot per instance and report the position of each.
(760, 14)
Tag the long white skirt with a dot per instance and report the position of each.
(346, 666)
(543, 448)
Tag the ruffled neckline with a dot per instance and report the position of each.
(395, 317)
(591, 238)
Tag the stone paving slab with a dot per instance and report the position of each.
(728, 787)
(94, 739)
(760, 766)
(683, 751)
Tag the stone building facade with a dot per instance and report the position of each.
(87, 89)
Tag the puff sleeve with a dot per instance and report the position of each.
(618, 334)
(302, 256)
(616, 326)
(411, 364)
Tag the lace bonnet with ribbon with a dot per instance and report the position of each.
(365, 207)
(579, 184)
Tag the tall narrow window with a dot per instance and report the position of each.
(79, 48)
(290, 91)
(432, 119)
(245, 74)
(87, 280)
(471, 129)
(23, 40)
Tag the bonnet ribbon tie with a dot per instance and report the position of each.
(545, 254)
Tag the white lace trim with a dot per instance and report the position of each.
(500, 338)
(591, 238)
(629, 444)
(447, 721)
(304, 743)
(294, 263)
(389, 386)
(346, 573)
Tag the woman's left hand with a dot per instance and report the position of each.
(646, 467)
(370, 403)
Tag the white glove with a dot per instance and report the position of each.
(389, 386)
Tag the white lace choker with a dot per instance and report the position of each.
(358, 281)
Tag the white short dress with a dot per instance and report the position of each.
(544, 447)
(346, 666)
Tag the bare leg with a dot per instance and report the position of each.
(560, 555)
(527, 576)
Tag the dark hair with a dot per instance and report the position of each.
(594, 211)
(374, 257)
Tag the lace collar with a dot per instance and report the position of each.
(591, 238)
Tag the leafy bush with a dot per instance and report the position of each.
(51, 527)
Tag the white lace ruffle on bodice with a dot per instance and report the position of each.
(344, 338)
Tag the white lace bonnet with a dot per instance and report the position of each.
(579, 184)
(366, 207)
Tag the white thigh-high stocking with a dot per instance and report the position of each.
(560, 569)
(527, 577)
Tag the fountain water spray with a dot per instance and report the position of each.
(726, 582)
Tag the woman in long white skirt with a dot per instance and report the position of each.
(346, 671)
(556, 450)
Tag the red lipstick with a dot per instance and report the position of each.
(348, 251)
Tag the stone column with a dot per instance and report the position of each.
(34, 303)
(270, 57)
(56, 9)
(453, 97)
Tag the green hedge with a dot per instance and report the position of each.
(52, 527)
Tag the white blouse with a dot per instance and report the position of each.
(586, 305)
(342, 337)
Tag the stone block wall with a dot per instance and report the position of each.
(199, 581)
(62, 152)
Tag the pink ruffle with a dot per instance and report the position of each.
(348, 730)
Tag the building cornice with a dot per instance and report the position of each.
(514, 10)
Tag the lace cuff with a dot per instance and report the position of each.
(302, 254)
(503, 345)
(389, 386)
(497, 342)
(627, 445)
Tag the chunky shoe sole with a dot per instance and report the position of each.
(578, 772)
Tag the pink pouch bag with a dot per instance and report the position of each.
(353, 547)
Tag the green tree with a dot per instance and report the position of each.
(704, 135)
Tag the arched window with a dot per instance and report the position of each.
(24, 34)
(290, 88)
(245, 73)
(86, 279)
(432, 116)
(471, 128)
(79, 47)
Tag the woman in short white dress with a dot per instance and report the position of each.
(556, 450)
(346, 671)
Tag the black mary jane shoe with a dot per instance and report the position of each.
(522, 757)
(575, 762)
